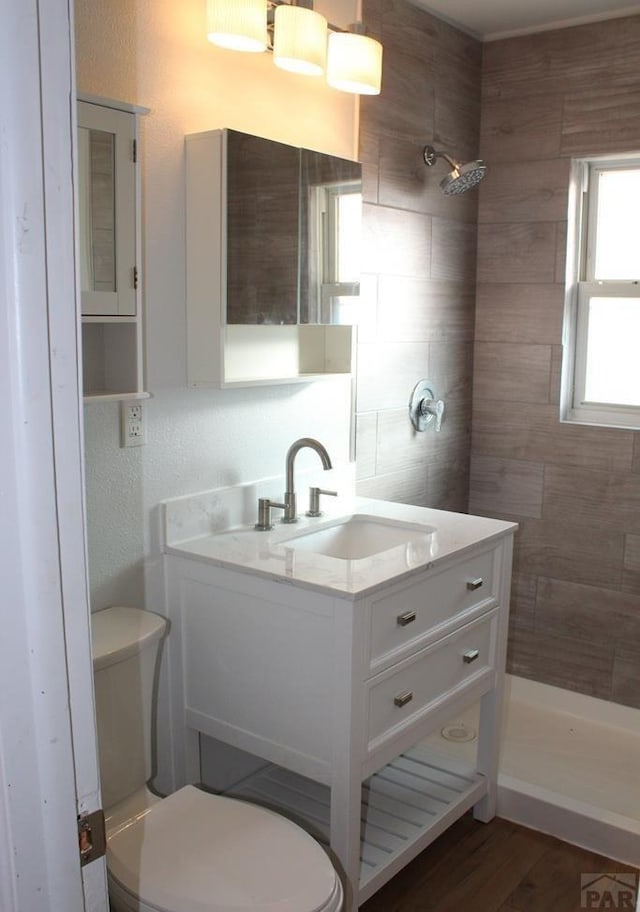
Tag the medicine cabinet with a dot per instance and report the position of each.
(109, 249)
(273, 259)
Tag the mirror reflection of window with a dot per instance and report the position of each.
(330, 246)
(96, 150)
(338, 251)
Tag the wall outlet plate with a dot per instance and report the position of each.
(133, 424)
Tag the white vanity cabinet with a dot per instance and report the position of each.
(337, 692)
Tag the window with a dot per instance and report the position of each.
(601, 370)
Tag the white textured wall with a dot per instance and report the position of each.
(153, 53)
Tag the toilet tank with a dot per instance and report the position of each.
(125, 646)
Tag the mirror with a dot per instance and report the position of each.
(96, 156)
(293, 234)
(107, 208)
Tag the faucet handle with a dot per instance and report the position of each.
(314, 500)
(264, 523)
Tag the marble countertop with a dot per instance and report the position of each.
(269, 555)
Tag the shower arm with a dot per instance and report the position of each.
(431, 156)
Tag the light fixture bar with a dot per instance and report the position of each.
(302, 41)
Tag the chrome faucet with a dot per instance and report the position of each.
(290, 513)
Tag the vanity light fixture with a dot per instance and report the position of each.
(238, 26)
(301, 39)
(354, 63)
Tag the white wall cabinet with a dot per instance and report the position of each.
(109, 249)
(338, 693)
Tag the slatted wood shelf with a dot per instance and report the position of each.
(405, 806)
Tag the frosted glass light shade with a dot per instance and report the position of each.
(300, 40)
(239, 25)
(354, 63)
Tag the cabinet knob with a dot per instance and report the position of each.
(474, 584)
(403, 698)
(470, 656)
(407, 618)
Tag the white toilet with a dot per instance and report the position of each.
(192, 851)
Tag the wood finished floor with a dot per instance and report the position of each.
(494, 867)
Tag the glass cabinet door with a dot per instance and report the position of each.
(107, 210)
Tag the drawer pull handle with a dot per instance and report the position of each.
(407, 618)
(474, 584)
(470, 656)
(403, 698)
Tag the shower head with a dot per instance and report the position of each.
(463, 175)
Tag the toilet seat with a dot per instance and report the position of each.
(196, 852)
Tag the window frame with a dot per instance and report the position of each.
(581, 286)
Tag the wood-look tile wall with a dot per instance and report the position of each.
(574, 490)
(420, 259)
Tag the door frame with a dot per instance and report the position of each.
(48, 757)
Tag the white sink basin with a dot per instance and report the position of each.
(358, 536)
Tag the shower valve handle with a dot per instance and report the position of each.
(424, 407)
(432, 408)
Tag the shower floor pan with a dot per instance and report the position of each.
(569, 766)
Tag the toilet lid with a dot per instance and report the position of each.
(196, 852)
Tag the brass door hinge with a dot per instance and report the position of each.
(92, 837)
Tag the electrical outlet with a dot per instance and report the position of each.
(133, 425)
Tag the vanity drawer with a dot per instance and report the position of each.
(409, 613)
(410, 689)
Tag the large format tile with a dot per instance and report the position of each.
(529, 191)
(555, 381)
(562, 662)
(546, 97)
(517, 252)
(453, 250)
(600, 54)
(366, 434)
(519, 313)
(597, 500)
(424, 310)
(400, 447)
(401, 487)
(512, 131)
(424, 299)
(451, 370)
(387, 373)
(506, 486)
(569, 551)
(410, 252)
(523, 601)
(625, 684)
(636, 453)
(511, 371)
(407, 183)
(597, 121)
(631, 566)
(530, 430)
(592, 613)
(448, 485)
